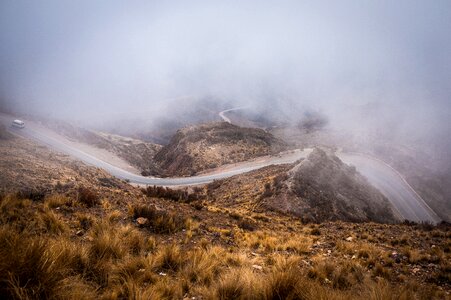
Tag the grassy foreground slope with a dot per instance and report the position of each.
(80, 234)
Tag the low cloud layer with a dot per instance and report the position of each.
(375, 64)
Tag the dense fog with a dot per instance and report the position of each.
(381, 66)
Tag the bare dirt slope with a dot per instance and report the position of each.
(197, 148)
(328, 189)
(30, 168)
(136, 152)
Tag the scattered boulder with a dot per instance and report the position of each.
(142, 221)
(257, 267)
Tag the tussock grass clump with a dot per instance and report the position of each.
(381, 271)
(85, 221)
(201, 267)
(14, 210)
(125, 288)
(87, 197)
(298, 246)
(54, 201)
(282, 282)
(30, 268)
(133, 240)
(413, 256)
(106, 245)
(165, 289)
(159, 221)
(285, 280)
(343, 276)
(51, 223)
(169, 258)
(233, 285)
(114, 216)
(114, 242)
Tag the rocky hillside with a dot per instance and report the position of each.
(136, 152)
(201, 147)
(31, 169)
(320, 188)
(323, 188)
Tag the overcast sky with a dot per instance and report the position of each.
(83, 59)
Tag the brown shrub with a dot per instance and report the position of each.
(160, 221)
(34, 194)
(87, 197)
(51, 223)
(171, 194)
(247, 224)
(315, 231)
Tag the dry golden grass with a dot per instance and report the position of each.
(116, 259)
(51, 223)
(159, 221)
(115, 216)
(54, 201)
(270, 242)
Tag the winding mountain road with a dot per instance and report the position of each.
(223, 116)
(405, 200)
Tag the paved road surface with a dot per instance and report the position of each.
(406, 201)
(403, 197)
(223, 116)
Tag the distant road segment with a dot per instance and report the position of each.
(224, 117)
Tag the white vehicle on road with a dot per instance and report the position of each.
(18, 124)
